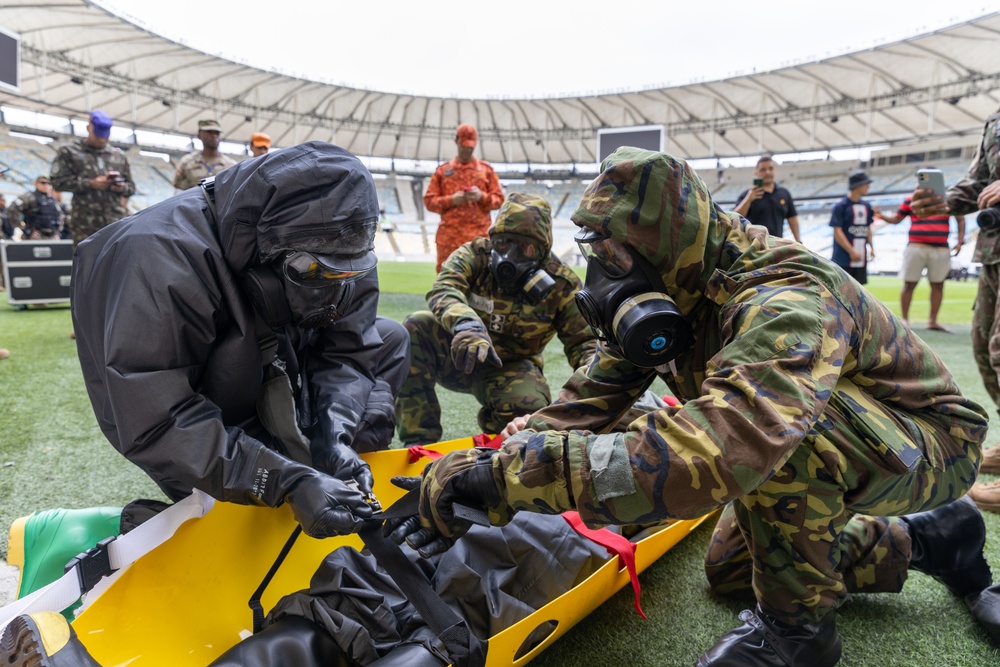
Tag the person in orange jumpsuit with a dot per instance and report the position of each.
(463, 190)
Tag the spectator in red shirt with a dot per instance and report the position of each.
(463, 190)
(927, 248)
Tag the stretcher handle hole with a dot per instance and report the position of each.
(536, 638)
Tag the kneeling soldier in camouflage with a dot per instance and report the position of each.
(497, 301)
(808, 412)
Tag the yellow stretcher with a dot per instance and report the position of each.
(185, 602)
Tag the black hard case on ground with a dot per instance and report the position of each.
(37, 272)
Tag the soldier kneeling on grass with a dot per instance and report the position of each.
(809, 412)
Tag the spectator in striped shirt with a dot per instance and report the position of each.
(927, 248)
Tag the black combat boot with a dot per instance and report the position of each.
(765, 642)
(43, 639)
(948, 545)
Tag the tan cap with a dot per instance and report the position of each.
(209, 125)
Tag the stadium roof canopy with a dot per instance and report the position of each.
(77, 56)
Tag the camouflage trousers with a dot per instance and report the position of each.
(986, 329)
(817, 529)
(517, 388)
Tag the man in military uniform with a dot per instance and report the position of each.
(807, 410)
(204, 163)
(497, 301)
(980, 191)
(463, 190)
(98, 175)
(37, 213)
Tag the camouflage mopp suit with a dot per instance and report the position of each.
(465, 289)
(807, 409)
(961, 199)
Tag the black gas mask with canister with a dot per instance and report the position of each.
(624, 301)
(306, 289)
(514, 263)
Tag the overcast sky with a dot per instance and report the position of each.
(532, 48)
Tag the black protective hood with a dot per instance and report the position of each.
(315, 197)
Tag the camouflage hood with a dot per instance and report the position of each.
(658, 205)
(315, 197)
(525, 215)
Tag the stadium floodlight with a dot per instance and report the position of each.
(648, 137)
(10, 60)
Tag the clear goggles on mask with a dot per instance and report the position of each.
(316, 271)
(504, 243)
(609, 253)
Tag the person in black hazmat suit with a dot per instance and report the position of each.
(179, 308)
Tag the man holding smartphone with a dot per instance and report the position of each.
(980, 191)
(99, 176)
(926, 248)
(767, 203)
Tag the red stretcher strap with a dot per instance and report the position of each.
(615, 544)
(418, 452)
(483, 440)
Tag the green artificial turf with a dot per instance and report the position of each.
(53, 455)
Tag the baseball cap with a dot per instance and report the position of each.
(101, 123)
(260, 139)
(466, 136)
(209, 125)
(857, 179)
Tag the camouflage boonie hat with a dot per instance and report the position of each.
(525, 215)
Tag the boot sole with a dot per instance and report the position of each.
(21, 645)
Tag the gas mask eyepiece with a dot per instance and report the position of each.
(625, 303)
(309, 290)
(514, 262)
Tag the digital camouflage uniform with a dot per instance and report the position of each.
(195, 166)
(465, 289)
(468, 220)
(78, 163)
(805, 403)
(961, 199)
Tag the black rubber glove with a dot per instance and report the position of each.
(343, 462)
(472, 344)
(463, 477)
(325, 506)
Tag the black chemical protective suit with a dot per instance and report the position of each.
(168, 338)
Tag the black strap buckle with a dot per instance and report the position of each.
(93, 564)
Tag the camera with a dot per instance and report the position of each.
(989, 219)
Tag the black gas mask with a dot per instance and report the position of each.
(514, 262)
(308, 290)
(624, 301)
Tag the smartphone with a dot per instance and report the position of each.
(933, 179)
(115, 177)
(758, 182)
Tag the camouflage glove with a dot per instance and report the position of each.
(468, 477)
(535, 468)
(325, 506)
(472, 344)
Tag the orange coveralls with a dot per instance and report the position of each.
(469, 220)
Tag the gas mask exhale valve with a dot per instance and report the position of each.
(624, 302)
